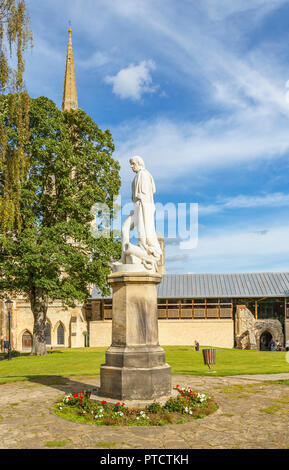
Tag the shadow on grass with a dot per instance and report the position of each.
(63, 384)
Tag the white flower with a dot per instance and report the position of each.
(96, 416)
(137, 417)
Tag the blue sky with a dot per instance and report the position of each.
(201, 91)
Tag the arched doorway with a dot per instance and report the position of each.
(26, 341)
(60, 335)
(265, 339)
(47, 334)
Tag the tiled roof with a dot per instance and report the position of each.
(220, 285)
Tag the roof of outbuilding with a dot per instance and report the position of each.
(240, 285)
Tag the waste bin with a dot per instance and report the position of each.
(209, 356)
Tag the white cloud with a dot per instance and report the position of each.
(176, 150)
(133, 81)
(207, 50)
(246, 202)
(247, 249)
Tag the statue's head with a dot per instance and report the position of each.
(136, 163)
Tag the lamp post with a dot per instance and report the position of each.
(9, 304)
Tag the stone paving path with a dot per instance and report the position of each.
(253, 414)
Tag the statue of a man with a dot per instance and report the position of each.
(148, 251)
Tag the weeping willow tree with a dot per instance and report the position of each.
(15, 38)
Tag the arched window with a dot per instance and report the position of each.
(47, 334)
(60, 334)
(26, 340)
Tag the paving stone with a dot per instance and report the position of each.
(32, 423)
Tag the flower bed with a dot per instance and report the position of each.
(187, 405)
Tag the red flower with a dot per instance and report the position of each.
(118, 404)
(76, 395)
(123, 404)
(104, 402)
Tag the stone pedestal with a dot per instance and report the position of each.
(135, 367)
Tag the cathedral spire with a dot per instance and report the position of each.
(69, 100)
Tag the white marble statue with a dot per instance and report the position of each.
(146, 255)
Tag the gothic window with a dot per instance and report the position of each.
(60, 335)
(47, 334)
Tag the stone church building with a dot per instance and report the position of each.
(244, 310)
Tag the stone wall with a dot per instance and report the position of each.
(218, 333)
(274, 327)
(248, 330)
(73, 322)
(100, 333)
(244, 328)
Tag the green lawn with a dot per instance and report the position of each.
(182, 359)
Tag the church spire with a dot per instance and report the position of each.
(69, 100)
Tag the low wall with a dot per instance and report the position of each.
(219, 333)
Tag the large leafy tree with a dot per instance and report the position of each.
(15, 37)
(55, 256)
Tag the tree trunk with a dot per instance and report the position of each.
(39, 307)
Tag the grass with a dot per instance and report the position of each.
(275, 409)
(182, 359)
(241, 390)
(57, 443)
(283, 382)
(107, 444)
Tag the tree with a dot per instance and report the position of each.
(55, 255)
(14, 33)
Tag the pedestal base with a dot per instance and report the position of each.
(135, 366)
(135, 383)
(141, 404)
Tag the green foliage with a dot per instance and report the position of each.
(55, 255)
(154, 407)
(14, 353)
(14, 29)
(175, 404)
(70, 169)
(14, 34)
